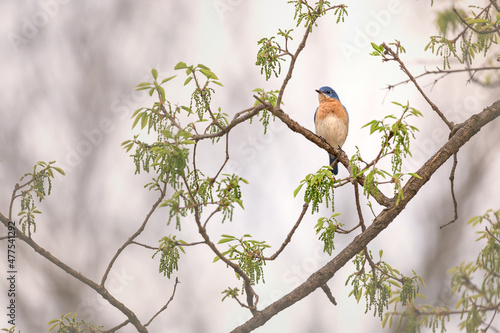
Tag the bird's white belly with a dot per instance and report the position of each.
(333, 130)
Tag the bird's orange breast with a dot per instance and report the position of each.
(332, 107)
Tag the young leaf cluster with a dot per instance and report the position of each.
(477, 284)
(381, 285)
(309, 14)
(169, 248)
(480, 30)
(248, 252)
(319, 187)
(326, 228)
(39, 185)
(170, 130)
(201, 192)
(271, 52)
(266, 96)
(380, 51)
(397, 134)
(230, 292)
(480, 298)
(10, 330)
(269, 56)
(68, 324)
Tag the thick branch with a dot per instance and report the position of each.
(382, 221)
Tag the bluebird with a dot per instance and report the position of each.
(331, 120)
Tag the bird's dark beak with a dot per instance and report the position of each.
(319, 92)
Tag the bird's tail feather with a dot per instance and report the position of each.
(335, 169)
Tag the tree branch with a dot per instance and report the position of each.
(238, 118)
(290, 234)
(100, 289)
(470, 128)
(130, 240)
(452, 186)
(395, 57)
(166, 305)
(339, 153)
(445, 72)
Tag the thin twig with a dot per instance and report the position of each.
(290, 234)
(238, 118)
(251, 294)
(116, 328)
(452, 187)
(481, 32)
(358, 207)
(225, 160)
(292, 63)
(444, 72)
(395, 57)
(461, 34)
(131, 239)
(166, 305)
(492, 236)
(297, 52)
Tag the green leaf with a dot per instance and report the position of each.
(180, 65)
(168, 79)
(161, 91)
(188, 80)
(478, 20)
(154, 72)
(136, 120)
(53, 325)
(144, 120)
(203, 66)
(61, 171)
(225, 240)
(209, 74)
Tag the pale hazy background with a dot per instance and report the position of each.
(67, 89)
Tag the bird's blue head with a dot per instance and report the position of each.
(328, 92)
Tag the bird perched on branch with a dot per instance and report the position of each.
(331, 120)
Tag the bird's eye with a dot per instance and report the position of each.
(328, 91)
